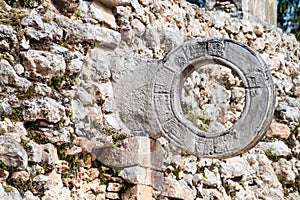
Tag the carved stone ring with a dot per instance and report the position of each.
(152, 107)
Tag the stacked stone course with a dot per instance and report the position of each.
(57, 102)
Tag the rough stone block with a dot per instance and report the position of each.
(138, 192)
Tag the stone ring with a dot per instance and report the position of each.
(259, 97)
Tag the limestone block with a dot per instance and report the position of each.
(10, 77)
(12, 153)
(138, 192)
(43, 108)
(103, 14)
(141, 151)
(113, 3)
(172, 188)
(277, 148)
(278, 130)
(43, 64)
(92, 34)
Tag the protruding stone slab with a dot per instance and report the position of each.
(135, 151)
(147, 95)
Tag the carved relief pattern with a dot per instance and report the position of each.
(216, 48)
(174, 131)
(209, 147)
(195, 50)
(163, 107)
(160, 88)
(199, 145)
(225, 143)
(254, 92)
(256, 79)
(180, 61)
(221, 144)
(168, 116)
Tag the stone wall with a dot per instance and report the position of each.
(57, 103)
(264, 11)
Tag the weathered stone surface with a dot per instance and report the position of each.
(278, 130)
(14, 130)
(66, 7)
(138, 27)
(7, 32)
(277, 148)
(42, 64)
(264, 10)
(172, 22)
(151, 38)
(12, 153)
(211, 178)
(284, 170)
(135, 151)
(103, 14)
(97, 67)
(112, 195)
(156, 100)
(33, 20)
(235, 167)
(10, 77)
(43, 109)
(138, 192)
(4, 45)
(29, 196)
(258, 28)
(213, 193)
(288, 112)
(9, 193)
(93, 34)
(5, 110)
(56, 188)
(137, 175)
(20, 176)
(248, 9)
(114, 187)
(170, 37)
(37, 30)
(113, 3)
(173, 189)
(43, 153)
(42, 182)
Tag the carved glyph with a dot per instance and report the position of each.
(164, 114)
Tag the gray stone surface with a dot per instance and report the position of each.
(92, 34)
(8, 192)
(137, 175)
(42, 64)
(134, 151)
(7, 32)
(277, 148)
(12, 153)
(43, 108)
(10, 77)
(177, 190)
(147, 93)
(112, 3)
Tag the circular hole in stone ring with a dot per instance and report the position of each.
(209, 120)
(258, 106)
(212, 97)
